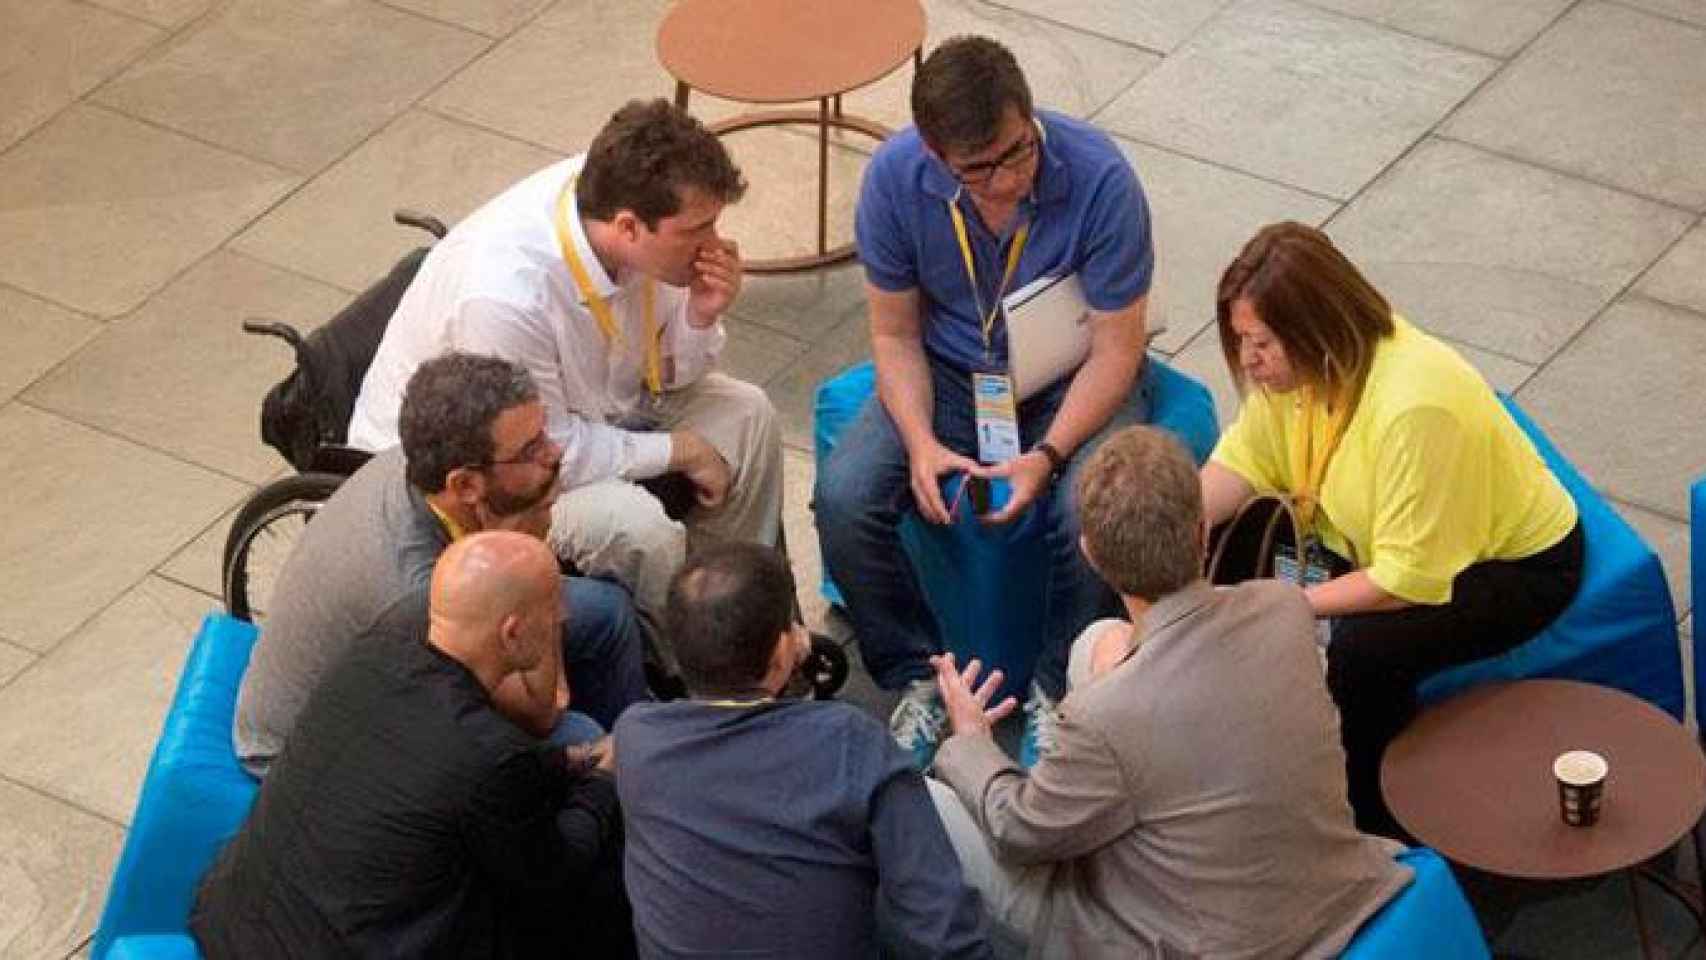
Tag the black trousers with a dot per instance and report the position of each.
(1376, 660)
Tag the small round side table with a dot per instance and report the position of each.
(789, 51)
(1472, 778)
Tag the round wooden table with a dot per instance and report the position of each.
(790, 51)
(1472, 778)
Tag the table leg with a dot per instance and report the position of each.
(823, 174)
(681, 92)
(1640, 914)
(838, 106)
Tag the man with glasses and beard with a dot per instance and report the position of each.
(981, 199)
(474, 456)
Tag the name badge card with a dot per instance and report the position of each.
(997, 417)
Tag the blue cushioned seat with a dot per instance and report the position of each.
(193, 799)
(1620, 631)
(1428, 920)
(985, 584)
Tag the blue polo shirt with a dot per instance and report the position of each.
(1087, 213)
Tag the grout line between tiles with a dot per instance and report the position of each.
(1406, 32)
(111, 434)
(1229, 168)
(63, 801)
(1080, 29)
(451, 117)
(262, 261)
(1561, 172)
(1656, 14)
(440, 21)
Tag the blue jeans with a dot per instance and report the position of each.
(603, 651)
(574, 729)
(865, 489)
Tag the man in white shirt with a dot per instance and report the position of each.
(604, 276)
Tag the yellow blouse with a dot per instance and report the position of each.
(1431, 474)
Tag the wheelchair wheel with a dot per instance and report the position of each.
(262, 536)
(825, 668)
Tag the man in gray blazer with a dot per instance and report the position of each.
(1193, 801)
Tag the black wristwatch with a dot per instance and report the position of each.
(1056, 462)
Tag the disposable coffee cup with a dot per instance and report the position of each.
(1581, 786)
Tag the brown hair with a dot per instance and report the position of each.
(963, 89)
(1326, 315)
(646, 156)
(1140, 512)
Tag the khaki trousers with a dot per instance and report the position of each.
(614, 528)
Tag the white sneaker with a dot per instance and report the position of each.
(917, 722)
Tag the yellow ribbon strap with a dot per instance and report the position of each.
(1308, 469)
(1013, 251)
(653, 375)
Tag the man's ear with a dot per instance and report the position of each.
(627, 225)
(467, 485)
(512, 639)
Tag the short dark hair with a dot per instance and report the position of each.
(646, 156)
(963, 89)
(1140, 511)
(727, 606)
(1320, 307)
(448, 410)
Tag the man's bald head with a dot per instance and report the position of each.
(488, 576)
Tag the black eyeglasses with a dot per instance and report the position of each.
(977, 174)
(533, 452)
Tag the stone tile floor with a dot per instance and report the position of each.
(1525, 177)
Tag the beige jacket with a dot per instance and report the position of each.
(1194, 804)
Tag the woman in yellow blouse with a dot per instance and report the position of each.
(1460, 542)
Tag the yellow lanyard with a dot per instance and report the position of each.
(1308, 470)
(451, 527)
(601, 308)
(987, 319)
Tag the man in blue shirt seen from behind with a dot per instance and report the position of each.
(982, 197)
(766, 827)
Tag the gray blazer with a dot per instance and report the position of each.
(1194, 803)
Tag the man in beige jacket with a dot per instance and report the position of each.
(1193, 801)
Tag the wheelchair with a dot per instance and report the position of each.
(305, 417)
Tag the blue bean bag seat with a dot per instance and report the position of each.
(986, 584)
(1429, 920)
(194, 798)
(1620, 631)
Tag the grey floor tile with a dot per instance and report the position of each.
(1669, 539)
(1067, 70)
(1693, 11)
(1497, 253)
(165, 13)
(1497, 29)
(39, 336)
(293, 83)
(1680, 277)
(778, 215)
(1297, 94)
(1201, 217)
(805, 305)
(1502, 373)
(754, 353)
(182, 376)
(1154, 24)
(97, 211)
(13, 660)
(1624, 403)
(494, 18)
(86, 515)
(794, 390)
(554, 82)
(1581, 100)
(55, 861)
(197, 565)
(338, 227)
(81, 724)
(55, 52)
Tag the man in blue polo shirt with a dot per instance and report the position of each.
(980, 198)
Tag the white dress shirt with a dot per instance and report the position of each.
(497, 284)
